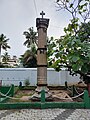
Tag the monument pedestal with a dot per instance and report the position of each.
(37, 94)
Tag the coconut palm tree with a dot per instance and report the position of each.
(3, 43)
(31, 37)
(5, 57)
(29, 58)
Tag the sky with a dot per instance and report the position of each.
(16, 16)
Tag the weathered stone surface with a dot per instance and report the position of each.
(42, 25)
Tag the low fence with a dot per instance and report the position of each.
(14, 76)
(6, 91)
(43, 104)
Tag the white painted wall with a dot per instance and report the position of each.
(15, 75)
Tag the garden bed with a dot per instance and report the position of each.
(23, 95)
(60, 99)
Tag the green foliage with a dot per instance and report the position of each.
(73, 49)
(5, 57)
(77, 8)
(74, 52)
(27, 83)
(31, 37)
(3, 42)
(28, 59)
(1, 65)
(51, 45)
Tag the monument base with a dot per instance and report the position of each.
(37, 94)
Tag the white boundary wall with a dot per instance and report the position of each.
(15, 75)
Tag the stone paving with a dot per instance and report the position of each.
(45, 114)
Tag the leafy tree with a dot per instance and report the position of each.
(77, 8)
(31, 37)
(73, 53)
(73, 49)
(3, 43)
(51, 45)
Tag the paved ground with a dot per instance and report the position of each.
(46, 114)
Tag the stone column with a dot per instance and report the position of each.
(42, 25)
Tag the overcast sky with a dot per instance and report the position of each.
(16, 16)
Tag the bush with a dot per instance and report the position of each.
(27, 83)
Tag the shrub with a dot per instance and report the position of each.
(27, 83)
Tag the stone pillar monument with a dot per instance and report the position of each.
(42, 25)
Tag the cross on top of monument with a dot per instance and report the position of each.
(42, 14)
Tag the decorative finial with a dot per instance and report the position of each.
(42, 14)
